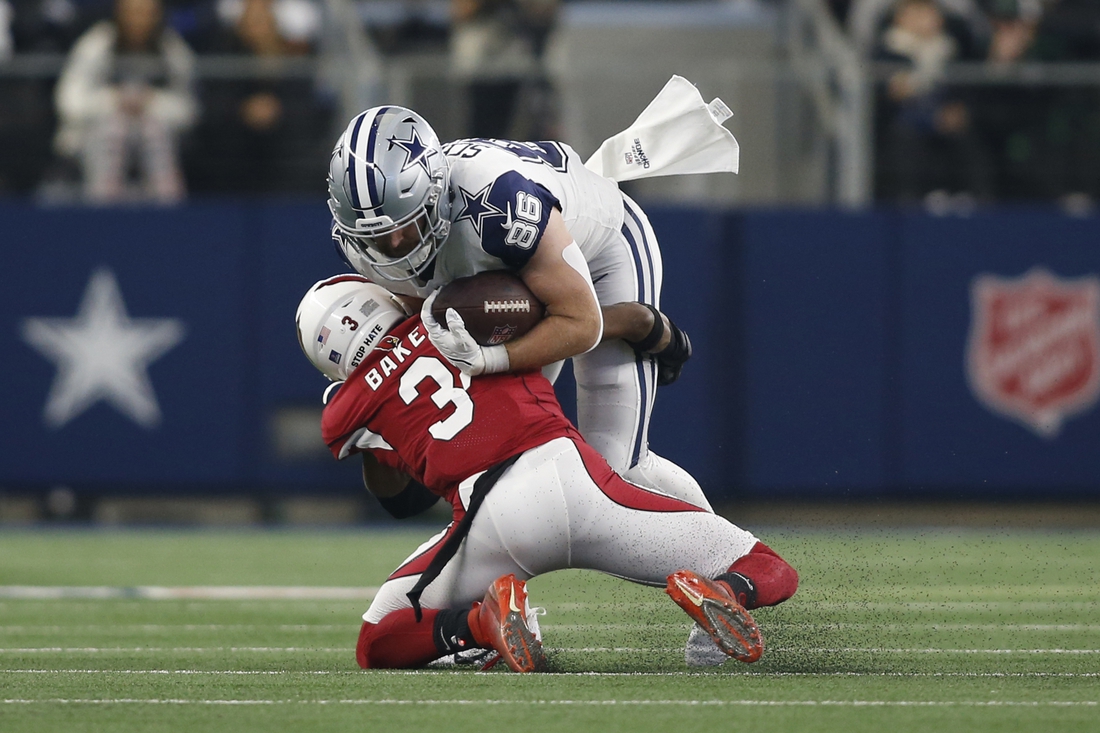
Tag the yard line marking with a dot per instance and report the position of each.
(930, 627)
(836, 650)
(646, 607)
(590, 649)
(188, 592)
(32, 628)
(957, 605)
(781, 625)
(175, 627)
(172, 671)
(725, 672)
(846, 650)
(687, 703)
(183, 649)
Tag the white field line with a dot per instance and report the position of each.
(778, 626)
(192, 592)
(540, 703)
(54, 628)
(178, 649)
(590, 650)
(725, 672)
(837, 650)
(341, 593)
(862, 605)
(939, 627)
(957, 605)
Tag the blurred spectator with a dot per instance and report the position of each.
(47, 26)
(27, 108)
(123, 98)
(7, 45)
(497, 45)
(964, 20)
(262, 135)
(297, 23)
(840, 10)
(1044, 139)
(414, 26)
(926, 141)
(1069, 31)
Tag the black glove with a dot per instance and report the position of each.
(671, 359)
(415, 499)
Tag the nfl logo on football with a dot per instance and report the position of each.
(1034, 347)
(502, 334)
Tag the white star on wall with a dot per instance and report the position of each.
(102, 354)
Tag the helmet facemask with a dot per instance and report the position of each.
(363, 247)
(388, 172)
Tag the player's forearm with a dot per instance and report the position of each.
(631, 322)
(556, 337)
(383, 481)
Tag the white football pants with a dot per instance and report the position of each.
(547, 512)
(616, 386)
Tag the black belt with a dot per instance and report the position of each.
(482, 485)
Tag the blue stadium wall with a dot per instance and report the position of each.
(830, 352)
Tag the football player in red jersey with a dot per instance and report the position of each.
(529, 496)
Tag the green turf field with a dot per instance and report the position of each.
(891, 630)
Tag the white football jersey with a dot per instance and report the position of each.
(502, 193)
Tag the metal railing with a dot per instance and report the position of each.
(837, 82)
(841, 90)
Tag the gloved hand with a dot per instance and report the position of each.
(458, 346)
(670, 359)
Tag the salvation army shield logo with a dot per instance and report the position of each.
(1034, 349)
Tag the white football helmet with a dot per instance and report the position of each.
(387, 171)
(341, 319)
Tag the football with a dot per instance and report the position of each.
(496, 306)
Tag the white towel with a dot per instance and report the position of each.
(678, 133)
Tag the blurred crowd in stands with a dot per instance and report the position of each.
(130, 118)
(952, 143)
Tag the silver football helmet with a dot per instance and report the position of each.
(388, 171)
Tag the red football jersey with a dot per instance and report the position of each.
(430, 420)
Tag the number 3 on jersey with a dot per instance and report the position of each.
(449, 393)
(522, 231)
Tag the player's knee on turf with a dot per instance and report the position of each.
(400, 641)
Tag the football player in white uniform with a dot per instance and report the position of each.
(416, 214)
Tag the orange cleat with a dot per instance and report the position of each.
(711, 604)
(500, 622)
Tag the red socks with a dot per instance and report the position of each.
(773, 580)
(397, 641)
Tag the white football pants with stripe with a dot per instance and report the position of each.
(560, 507)
(615, 385)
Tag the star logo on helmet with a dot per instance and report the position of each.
(416, 152)
(476, 208)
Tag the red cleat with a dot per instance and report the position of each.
(711, 604)
(500, 622)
